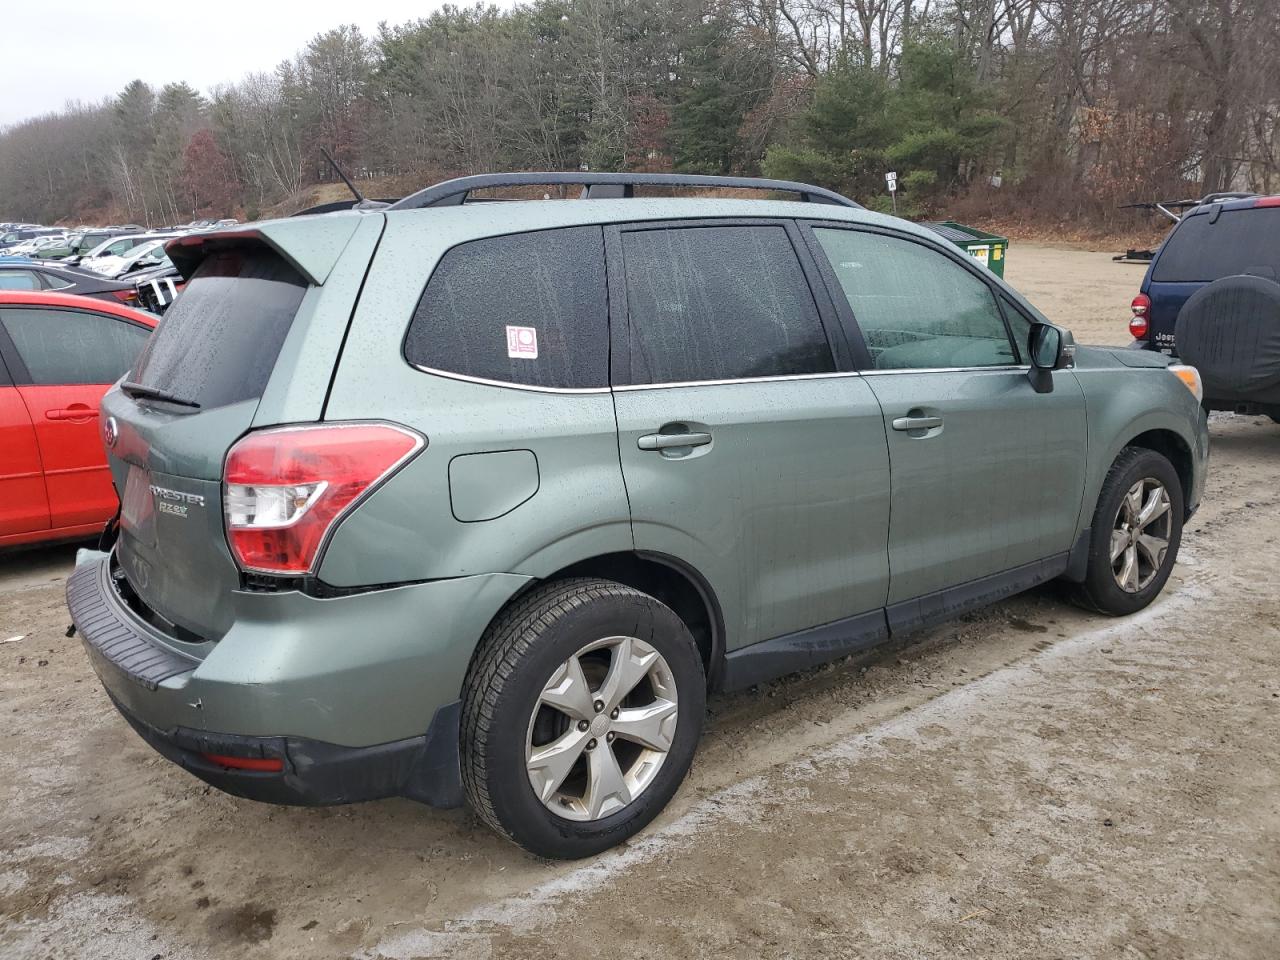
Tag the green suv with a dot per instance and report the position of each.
(475, 501)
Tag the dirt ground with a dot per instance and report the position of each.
(1027, 782)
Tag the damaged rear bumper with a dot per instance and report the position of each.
(356, 697)
(313, 773)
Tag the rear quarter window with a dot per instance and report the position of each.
(528, 309)
(219, 342)
(1241, 241)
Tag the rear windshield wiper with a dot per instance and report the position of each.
(137, 390)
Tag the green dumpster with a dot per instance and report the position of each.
(987, 248)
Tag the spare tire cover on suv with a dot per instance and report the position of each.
(1230, 331)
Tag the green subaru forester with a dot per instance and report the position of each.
(463, 500)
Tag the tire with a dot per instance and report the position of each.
(507, 721)
(1229, 330)
(1101, 590)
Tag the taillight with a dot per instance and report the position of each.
(1140, 323)
(1267, 202)
(284, 490)
(125, 296)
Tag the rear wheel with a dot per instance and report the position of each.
(582, 712)
(1137, 529)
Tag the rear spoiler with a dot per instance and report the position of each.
(310, 245)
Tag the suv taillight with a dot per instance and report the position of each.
(1139, 325)
(285, 489)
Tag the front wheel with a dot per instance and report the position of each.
(582, 711)
(1137, 528)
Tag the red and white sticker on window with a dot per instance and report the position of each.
(522, 343)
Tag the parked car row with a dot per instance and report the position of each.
(94, 248)
(129, 267)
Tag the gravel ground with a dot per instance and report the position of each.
(1029, 781)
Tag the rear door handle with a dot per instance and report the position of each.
(668, 441)
(75, 412)
(917, 423)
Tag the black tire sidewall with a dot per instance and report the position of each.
(525, 818)
(1100, 582)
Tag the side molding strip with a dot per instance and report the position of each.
(817, 645)
(806, 648)
(935, 608)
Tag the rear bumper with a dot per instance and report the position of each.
(357, 696)
(313, 773)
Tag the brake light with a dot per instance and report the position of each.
(1140, 324)
(1267, 202)
(284, 490)
(125, 296)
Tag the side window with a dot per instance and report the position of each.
(719, 303)
(54, 282)
(526, 308)
(71, 346)
(1019, 326)
(916, 307)
(19, 280)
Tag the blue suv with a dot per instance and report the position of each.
(1211, 296)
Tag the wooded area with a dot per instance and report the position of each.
(1076, 105)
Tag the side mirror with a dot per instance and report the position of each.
(1050, 348)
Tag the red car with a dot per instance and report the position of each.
(58, 355)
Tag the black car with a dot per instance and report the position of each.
(156, 288)
(1211, 297)
(34, 275)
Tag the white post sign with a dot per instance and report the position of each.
(891, 178)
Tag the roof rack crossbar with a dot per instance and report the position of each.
(601, 186)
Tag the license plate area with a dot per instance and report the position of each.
(138, 506)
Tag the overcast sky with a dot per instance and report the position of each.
(51, 53)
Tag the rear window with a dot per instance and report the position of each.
(219, 341)
(1241, 241)
(528, 308)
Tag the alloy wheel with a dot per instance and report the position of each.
(601, 729)
(1140, 535)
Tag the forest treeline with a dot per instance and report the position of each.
(1072, 106)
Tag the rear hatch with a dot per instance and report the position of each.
(1211, 242)
(230, 340)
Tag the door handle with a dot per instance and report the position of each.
(917, 423)
(73, 412)
(668, 441)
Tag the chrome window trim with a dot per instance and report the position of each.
(998, 368)
(533, 388)
(784, 378)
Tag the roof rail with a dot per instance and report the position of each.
(1227, 195)
(603, 186)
